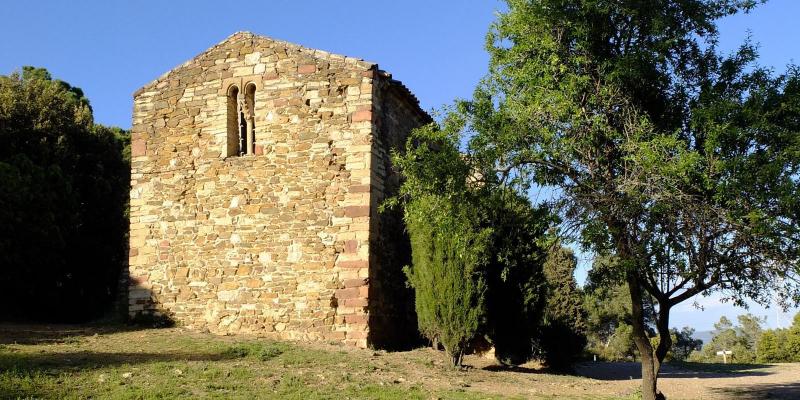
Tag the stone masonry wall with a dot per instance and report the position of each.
(275, 243)
(392, 317)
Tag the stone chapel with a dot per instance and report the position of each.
(257, 171)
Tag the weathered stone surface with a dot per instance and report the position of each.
(287, 241)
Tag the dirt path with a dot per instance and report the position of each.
(778, 381)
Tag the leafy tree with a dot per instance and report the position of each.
(449, 246)
(750, 331)
(678, 161)
(771, 347)
(477, 248)
(610, 317)
(684, 343)
(723, 338)
(779, 345)
(64, 196)
(517, 290)
(619, 346)
(793, 339)
(563, 335)
(740, 339)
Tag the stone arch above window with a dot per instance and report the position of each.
(250, 116)
(240, 100)
(236, 129)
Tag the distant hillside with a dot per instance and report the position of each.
(705, 336)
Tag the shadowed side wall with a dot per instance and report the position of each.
(392, 318)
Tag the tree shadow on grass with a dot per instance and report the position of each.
(614, 371)
(788, 391)
(32, 334)
(52, 362)
(53, 333)
(509, 368)
(525, 370)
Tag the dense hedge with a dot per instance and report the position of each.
(63, 200)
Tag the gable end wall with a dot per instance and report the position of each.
(277, 243)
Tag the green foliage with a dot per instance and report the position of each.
(563, 332)
(741, 339)
(63, 197)
(516, 286)
(608, 322)
(646, 131)
(750, 330)
(609, 315)
(448, 256)
(679, 161)
(771, 347)
(477, 248)
(449, 245)
(684, 343)
(780, 345)
(793, 339)
(619, 346)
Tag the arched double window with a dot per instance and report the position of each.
(241, 120)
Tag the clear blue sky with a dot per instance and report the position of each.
(111, 48)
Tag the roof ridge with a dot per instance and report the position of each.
(320, 54)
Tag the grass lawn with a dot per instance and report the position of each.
(109, 363)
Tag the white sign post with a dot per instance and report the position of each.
(724, 354)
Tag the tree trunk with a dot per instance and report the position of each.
(456, 358)
(650, 365)
(664, 339)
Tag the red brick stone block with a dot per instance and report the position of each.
(138, 148)
(259, 150)
(356, 211)
(364, 115)
(356, 319)
(359, 189)
(351, 246)
(354, 264)
(306, 69)
(349, 293)
(349, 283)
(359, 302)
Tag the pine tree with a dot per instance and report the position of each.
(564, 327)
(449, 241)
